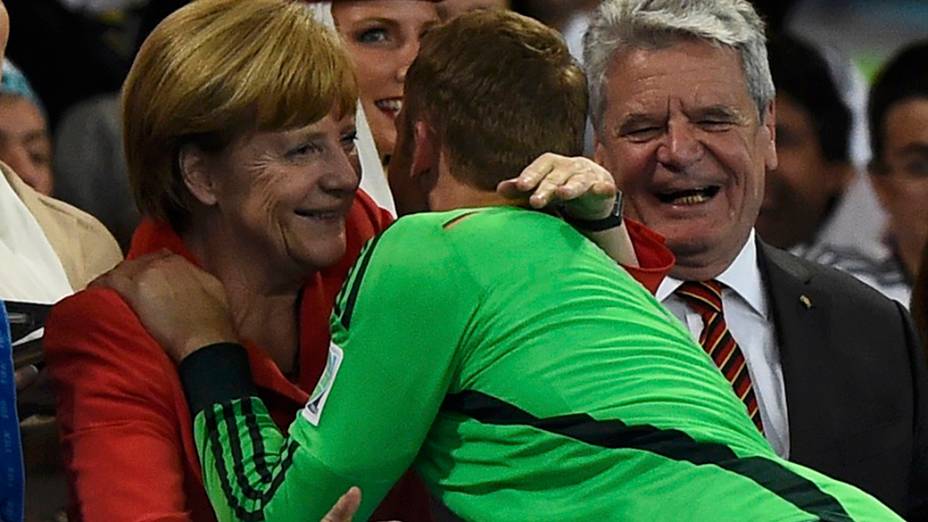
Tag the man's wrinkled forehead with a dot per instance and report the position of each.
(691, 73)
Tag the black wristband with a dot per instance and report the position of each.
(216, 374)
(613, 220)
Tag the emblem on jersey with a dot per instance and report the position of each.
(313, 409)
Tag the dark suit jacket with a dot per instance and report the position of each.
(855, 378)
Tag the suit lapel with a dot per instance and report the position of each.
(800, 316)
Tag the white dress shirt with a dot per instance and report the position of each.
(744, 303)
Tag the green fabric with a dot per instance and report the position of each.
(527, 378)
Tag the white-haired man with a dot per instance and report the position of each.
(829, 370)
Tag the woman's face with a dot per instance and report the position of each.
(285, 194)
(382, 37)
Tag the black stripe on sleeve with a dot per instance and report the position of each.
(671, 444)
(356, 283)
(238, 458)
(216, 374)
(212, 428)
(257, 442)
(271, 479)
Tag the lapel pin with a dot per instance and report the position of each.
(804, 299)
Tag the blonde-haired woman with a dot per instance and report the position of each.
(239, 136)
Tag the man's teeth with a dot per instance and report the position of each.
(688, 197)
(389, 105)
(691, 200)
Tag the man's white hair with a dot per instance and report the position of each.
(621, 25)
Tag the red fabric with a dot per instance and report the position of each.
(654, 259)
(125, 426)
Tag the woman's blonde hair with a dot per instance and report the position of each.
(216, 69)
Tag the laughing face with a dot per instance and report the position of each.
(382, 37)
(684, 140)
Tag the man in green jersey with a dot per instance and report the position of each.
(495, 347)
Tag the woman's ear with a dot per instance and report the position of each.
(194, 169)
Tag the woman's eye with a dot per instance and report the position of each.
(303, 150)
(349, 140)
(373, 35)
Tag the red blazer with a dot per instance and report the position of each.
(125, 425)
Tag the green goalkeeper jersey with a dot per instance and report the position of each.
(525, 375)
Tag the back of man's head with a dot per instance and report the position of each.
(905, 77)
(801, 72)
(499, 89)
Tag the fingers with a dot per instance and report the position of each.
(558, 178)
(583, 186)
(574, 187)
(548, 188)
(345, 508)
(510, 189)
(537, 171)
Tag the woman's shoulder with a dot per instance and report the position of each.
(97, 327)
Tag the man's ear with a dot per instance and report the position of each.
(769, 124)
(425, 146)
(194, 169)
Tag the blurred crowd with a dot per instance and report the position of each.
(108, 153)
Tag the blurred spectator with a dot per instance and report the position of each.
(898, 118)
(898, 115)
(25, 144)
(382, 37)
(813, 127)
(47, 249)
(90, 165)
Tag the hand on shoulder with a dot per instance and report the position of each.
(183, 307)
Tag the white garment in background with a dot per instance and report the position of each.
(373, 180)
(30, 270)
(858, 221)
(744, 304)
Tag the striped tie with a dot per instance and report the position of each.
(705, 298)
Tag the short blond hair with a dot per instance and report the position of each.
(215, 70)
